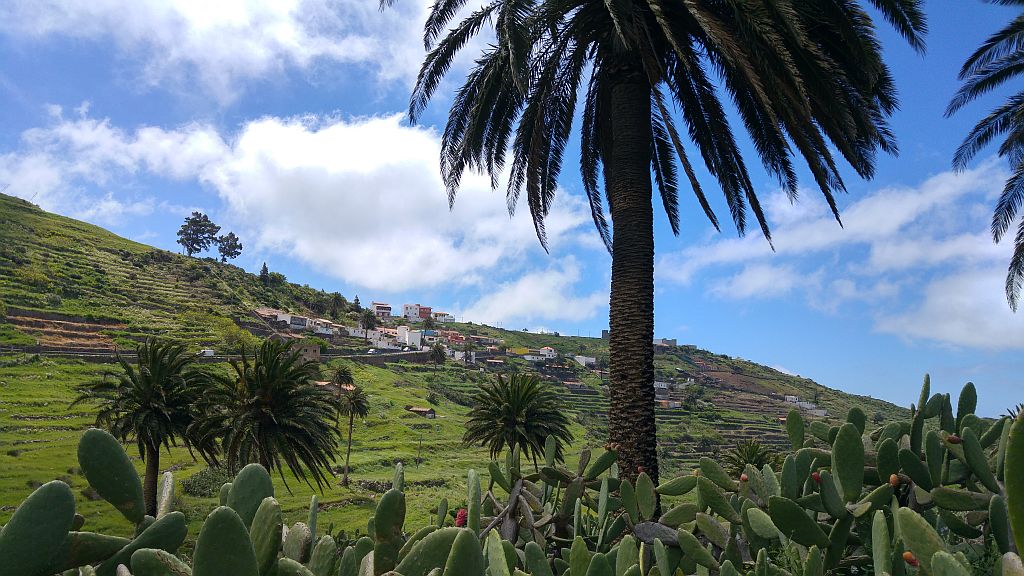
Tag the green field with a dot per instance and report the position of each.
(39, 435)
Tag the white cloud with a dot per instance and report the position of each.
(758, 281)
(218, 44)
(913, 216)
(362, 200)
(539, 295)
(920, 259)
(359, 199)
(966, 308)
(108, 210)
(56, 161)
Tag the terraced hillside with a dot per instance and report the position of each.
(71, 286)
(39, 434)
(89, 276)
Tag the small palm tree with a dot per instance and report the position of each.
(150, 403)
(749, 452)
(467, 349)
(353, 402)
(269, 411)
(999, 60)
(368, 320)
(1015, 412)
(438, 354)
(520, 412)
(343, 376)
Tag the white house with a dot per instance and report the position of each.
(409, 337)
(586, 361)
(416, 312)
(363, 333)
(534, 357)
(661, 389)
(381, 310)
(442, 317)
(322, 327)
(792, 399)
(547, 352)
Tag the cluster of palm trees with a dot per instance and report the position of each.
(264, 410)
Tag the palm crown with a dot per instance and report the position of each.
(150, 403)
(999, 59)
(518, 412)
(269, 411)
(802, 75)
(353, 401)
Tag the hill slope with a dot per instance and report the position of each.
(122, 288)
(70, 284)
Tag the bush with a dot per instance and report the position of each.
(207, 482)
(319, 342)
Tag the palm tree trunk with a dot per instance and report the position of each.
(149, 483)
(348, 451)
(627, 173)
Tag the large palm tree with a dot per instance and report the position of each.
(353, 402)
(999, 59)
(518, 412)
(806, 78)
(150, 403)
(268, 410)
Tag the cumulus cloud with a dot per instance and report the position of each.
(916, 217)
(920, 258)
(224, 42)
(965, 308)
(358, 199)
(758, 281)
(540, 295)
(347, 196)
(57, 160)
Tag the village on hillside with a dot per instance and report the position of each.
(406, 336)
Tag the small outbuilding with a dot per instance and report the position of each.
(420, 411)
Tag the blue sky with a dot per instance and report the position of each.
(284, 121)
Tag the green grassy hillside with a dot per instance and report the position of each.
(67, 283)
(57, 264)
(39, 434)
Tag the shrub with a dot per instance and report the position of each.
(207, 482)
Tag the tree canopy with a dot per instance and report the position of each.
(228, 246)
(197, 233)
